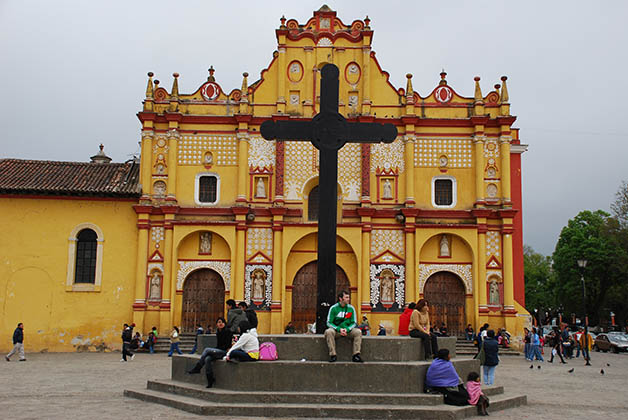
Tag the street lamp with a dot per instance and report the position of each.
(582, 264)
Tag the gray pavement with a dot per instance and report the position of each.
(89, 385)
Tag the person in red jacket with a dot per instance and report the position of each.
(404, 319)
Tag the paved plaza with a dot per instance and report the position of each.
(90, 385)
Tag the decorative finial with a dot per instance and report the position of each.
(478, 91)
(443, 74)
(367, 21)
(409, 90)
(283, 22)
(100, 157)
(211, 77)
(156, 84)
(175, 85)
(149, 86)
(245, 84)
(504, 90)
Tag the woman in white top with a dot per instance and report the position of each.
(247, 347)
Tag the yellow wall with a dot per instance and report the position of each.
(33, 272)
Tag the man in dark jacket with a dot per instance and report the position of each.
(251, 316)
(127, 336)
(491, 359)
(18, 343)
(234, 316)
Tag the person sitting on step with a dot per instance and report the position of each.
(420, 328)
(442, 378)
(476, 396)
(341, 322)
(223, 342)
(246, 349)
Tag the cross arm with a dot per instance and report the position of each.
(287, 130)
(371, 132)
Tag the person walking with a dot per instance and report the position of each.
(174, 342)
(491, 360)
(199, 331)
(586, 342)
(127, 336)
(18, 343)
(526, 346)
(556, 344)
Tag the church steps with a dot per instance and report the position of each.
(322, 410)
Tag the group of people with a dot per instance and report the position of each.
(414, 321)
(562, 343)
(532, 345)
(134, 342)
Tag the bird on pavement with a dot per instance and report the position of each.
(602, 371)
(531, 366)
(608, 364)
(570, 370)
(539, 367)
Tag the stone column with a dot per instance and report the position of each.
(478, 142)
(505, 169)
(173, 146)
(364, 286)
(243, 166)
(366, 78)
(146, 161)
(279, 282)
(281, 79)
(409, 140)
(139, 305)
(166, 314)
(509, 301)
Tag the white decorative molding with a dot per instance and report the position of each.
(400, 282)
(464, 271)
(268, 285)
(221, 267)
(71, 268)
(388, 156)
(350, 171)
(454, 191)
(458, 151)
(261, 152)
(157, 235)
(259, 239)
(192, 148)
(154, 266)
(493, 243)
(324, 42)
(387, 240)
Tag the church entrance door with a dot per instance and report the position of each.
(445, 292)
(203, 299)
(304, 297)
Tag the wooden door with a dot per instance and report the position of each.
(203, 299)
(445, 292)
(304, 294)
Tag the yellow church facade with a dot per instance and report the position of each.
(212, 211)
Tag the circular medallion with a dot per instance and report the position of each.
(330, 131)
(210, 91)
(442, 161)
(161, 142)
(443, 94)
(491, 161)
(295, 71)
(352, 73)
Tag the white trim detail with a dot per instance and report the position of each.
(518, 148)
(197, 188)
(461, 270)
(100, 239)
(221, 267)
(248, 284)
(400, 282)
(454, 191)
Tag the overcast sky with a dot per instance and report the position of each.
(73, 75)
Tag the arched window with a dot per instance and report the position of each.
(312, 205)
(85, 266)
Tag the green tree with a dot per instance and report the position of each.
(620, 205)
(538, 274)
(591, 236)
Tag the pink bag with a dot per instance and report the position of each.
(268, 351)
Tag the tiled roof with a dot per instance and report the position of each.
(69, 178)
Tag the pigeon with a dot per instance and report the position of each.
(602, 371)
(531, 366)
(570, 370)
(538, 367)
(608, 364)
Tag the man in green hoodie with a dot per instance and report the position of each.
(341, 322)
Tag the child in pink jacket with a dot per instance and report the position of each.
(476, 397)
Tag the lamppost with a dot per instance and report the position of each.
(582, 264)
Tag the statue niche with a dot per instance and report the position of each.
(494, 297)
(445, 247)
(205, 243)
(258, 285)
(387, 287)
(155, 286)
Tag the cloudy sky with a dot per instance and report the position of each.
(73, 75)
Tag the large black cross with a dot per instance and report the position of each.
(328, 131)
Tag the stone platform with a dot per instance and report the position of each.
(389, 384)
(374, 348)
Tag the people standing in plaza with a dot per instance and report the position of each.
(365, 326)
(341, 322)
(420, 328)
(404, 319)
(235, 315)
(535, 346)
(491, 357)
(199, 331)
(586, 343)
(223, 342)
(127, 336)
(18, 343)
(174, 342)
(526, 344)
(246, 349)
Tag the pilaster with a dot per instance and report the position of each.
(279, 282)
(408, 141)
(243, 165)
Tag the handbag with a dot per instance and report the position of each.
(481, 356)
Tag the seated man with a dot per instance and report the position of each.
(341, 322)
(443, 378)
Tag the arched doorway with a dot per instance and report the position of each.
(304, 294)
(445, 292)
(203, 299)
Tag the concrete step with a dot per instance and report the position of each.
(315, 376)
(218, 395)
(314, 347)
(327, 410)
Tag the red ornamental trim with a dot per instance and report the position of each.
(443, 94)
(366, 170)
(279, 164)
(289, 73)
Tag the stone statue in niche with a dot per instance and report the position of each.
(353, 100)
(493, 295)
(205, 243)
(155, 286)
(159, 188)
(387, 283)
(258, 280)
(260, 188)
(445, 249)
(387, 189)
